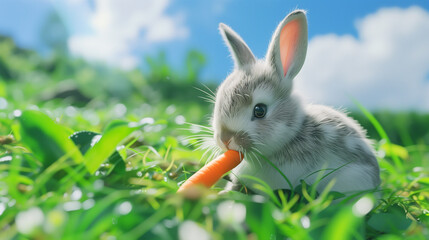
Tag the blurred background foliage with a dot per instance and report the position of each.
(56, 80)
(28, 79)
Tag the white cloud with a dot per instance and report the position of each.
(386, 66)
(120, 26)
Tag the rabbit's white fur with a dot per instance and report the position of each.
(304, 141)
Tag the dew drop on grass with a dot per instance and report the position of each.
(120, 110)
(98, 184)
(27, 221)
(136, 192)
(170, 223)
(3, 103)
(362, 206)
(2, 207)
(87, 204)
(70, 111)
(170, 109)
(95, 140)
(305, 222)
(258, 198)
(190, 230)
(380, 153)
(148, 128)
(133, 124)
(33, 107)
(72, 206)
(278, 215)
(124, 208)
(76, 194)
(11, 203)
(206, 210)
(172, 175)
(17, 113)
(6, 159)
(180, 119)
(151, 191)
(230, 212)
(147, 120)
(158, 128)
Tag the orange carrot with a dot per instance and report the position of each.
(214, 170)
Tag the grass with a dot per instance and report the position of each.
(105, 162)
(53, 186)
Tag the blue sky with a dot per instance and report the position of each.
(121, 32)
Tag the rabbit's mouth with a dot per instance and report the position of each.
(228, 140)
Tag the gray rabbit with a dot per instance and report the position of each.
(257, 113)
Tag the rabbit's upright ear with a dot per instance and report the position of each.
(241, 53)
(288, 46)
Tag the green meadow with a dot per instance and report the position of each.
(92, 152)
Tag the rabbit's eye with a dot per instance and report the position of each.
(259, 110)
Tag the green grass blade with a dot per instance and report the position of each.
(342, 226)
(114, 133)
(148, 223)
(262, 186)
(46, 139)
(279, 171)
(380, 131)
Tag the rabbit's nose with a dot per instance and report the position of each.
(225, 140)
(226, 136)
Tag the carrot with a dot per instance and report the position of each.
(214, 170)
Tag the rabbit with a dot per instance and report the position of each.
(257, 113)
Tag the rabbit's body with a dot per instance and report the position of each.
(257, 113)
(327, 141)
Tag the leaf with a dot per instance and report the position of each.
(114, 133)
(87, 139)
(47, 140)
(424, 180)
(392, 221)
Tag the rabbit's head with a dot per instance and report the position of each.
(255, 109)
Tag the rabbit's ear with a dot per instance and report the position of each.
(288, 46)
(240, 51)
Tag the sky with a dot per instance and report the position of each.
(376, 52)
